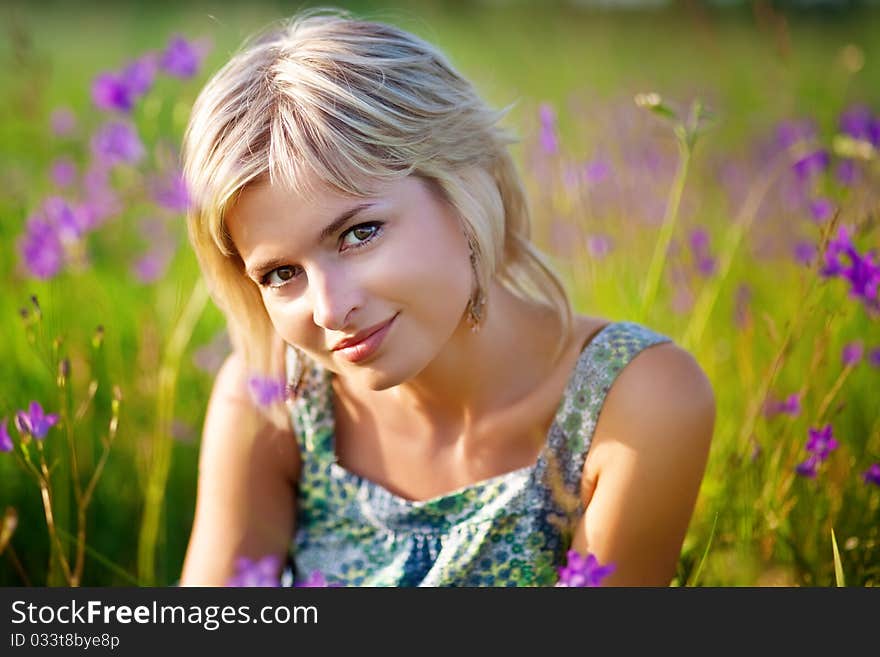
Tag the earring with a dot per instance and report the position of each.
(294, 382)
(477, 303)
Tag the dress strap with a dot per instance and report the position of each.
(310, 404)
(600, 363)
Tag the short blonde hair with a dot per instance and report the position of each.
(351, 103)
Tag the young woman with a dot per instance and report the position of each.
(448, 419)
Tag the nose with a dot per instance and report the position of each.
(333, 298)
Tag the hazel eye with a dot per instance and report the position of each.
(278, 277)
(362, 233)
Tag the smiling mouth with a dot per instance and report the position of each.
(367, 345)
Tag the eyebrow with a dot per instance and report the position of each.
(257, 270)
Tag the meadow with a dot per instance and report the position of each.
(712, 174)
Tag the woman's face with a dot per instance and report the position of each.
(332, 266)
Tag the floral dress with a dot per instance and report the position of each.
(510, 530)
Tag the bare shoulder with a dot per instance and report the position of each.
(661, 400)
(646, 464)
(248, 466)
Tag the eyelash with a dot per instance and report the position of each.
(264, 279)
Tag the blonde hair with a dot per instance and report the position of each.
(352, 103)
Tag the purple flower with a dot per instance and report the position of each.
(259, 572)
(821, 209)
(151, 266)
(5, 439)
(596, 171)
(808, 468)
(181, 58)
(847, 173)
(599, 246)
(117, 142)
(547, 136)
(861, 271)
(852, 353)
(34, 421)
(872, 475)
(792, 405)
(139, 75)
(266, 391)
(805, 252)
(583, 571)
(171, 193)
(874, 357)
(812, 164)
(859, 123)
(315, 580)
(62, 122)
(110, 92)
(41, 249)
(699, 240)
(789, 133)
(821, 442)
(63, 172)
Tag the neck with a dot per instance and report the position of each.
(479, 372)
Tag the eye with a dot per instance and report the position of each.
(362, 234)
(278, 277)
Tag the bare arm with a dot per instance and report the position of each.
(645, 466)
(247, 472)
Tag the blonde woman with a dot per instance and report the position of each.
(448, 420)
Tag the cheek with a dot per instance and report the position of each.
(436, 279)
(290, 320)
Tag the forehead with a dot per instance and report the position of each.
(264, 213)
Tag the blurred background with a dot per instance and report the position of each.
(708, 169)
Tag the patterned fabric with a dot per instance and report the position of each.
(510, 530)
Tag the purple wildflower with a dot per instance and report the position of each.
(181, 58)
(117, 142)
(792, 405)
(821, 209)
(821, 442)
(265, 391)
(66, 222)
(583, 571)
(34, 421)
(5, 439)
(599, 246)
(257, 572)
(852, 353)
(548, 139)
(812, 164)
(314, 581)
(874, 357)
(789, 133)
(63, 172)
(847, 173)
(596, 171)
(62, 122)
(872, 475)
(151, 266)
(859, 123)
(861, 271)
(171, 193)
(808, 468)
(805, 253)
(139, 75)
(110, 92)
(41, 249)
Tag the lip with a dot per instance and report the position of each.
(364, 343)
